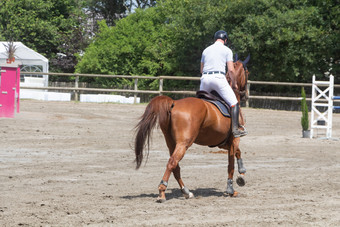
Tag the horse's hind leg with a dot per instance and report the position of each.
(177, 173)
(185, 191)
(176, 156)
(231, 165)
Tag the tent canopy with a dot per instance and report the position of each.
(25, 55)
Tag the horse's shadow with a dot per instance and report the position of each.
(176, 193)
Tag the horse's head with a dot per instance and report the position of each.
(241, 76)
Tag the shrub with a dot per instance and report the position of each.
(304, 109)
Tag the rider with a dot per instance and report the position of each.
(213, 64)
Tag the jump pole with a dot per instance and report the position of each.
(336, 98)
(322, 105)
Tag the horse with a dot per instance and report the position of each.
(187, 121)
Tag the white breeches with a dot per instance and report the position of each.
(219, 83)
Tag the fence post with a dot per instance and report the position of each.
(160, 86)
(76, 92)
(248, 91)
(330, 106)
(135, 88)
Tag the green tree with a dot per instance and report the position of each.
(132, 47)
(112, 10)
(157, 41)
(288, 40)
(190, 26)
(131, 5)
(109, 10)
(304, 109)
(41, 25)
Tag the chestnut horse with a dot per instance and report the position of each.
(187, 121)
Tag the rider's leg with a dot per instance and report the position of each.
(229, 96)
(235, 110)
(219, 83)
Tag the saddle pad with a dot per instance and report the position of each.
(222, 108)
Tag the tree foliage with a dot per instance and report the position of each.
(112, 10)
(109, 10)
(132, 47)
(45, 26)
(288, 40)
(138, 4)
(36, 23)
(60, 26)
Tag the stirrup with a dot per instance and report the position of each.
(240, 133)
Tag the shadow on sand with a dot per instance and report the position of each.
(176, 193)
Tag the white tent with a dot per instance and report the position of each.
(30, 60)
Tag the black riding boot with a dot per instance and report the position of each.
(235, 110)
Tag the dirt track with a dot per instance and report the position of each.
(71, 164)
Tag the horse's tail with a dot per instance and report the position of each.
(159, 108)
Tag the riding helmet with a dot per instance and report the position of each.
(221, 35)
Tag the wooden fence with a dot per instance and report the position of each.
(76, 89)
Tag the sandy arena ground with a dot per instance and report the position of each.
(71, 164)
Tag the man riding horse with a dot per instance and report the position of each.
(193, 120)
(213, 64)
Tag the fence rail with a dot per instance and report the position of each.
(76, 89)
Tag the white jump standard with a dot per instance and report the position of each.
(322, 105)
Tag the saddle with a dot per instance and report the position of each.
(214, 98)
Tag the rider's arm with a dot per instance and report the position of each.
(231, 71)
(202, 64)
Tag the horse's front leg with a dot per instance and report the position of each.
(234, 150)
(240, 180)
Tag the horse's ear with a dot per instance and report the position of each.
(236, 57)
(247, 60)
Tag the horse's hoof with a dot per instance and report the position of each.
(242, 170)
(189, 196)
(160, 200)
(240, 181)
(186, 193)
(230, 189)
(235, 194)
